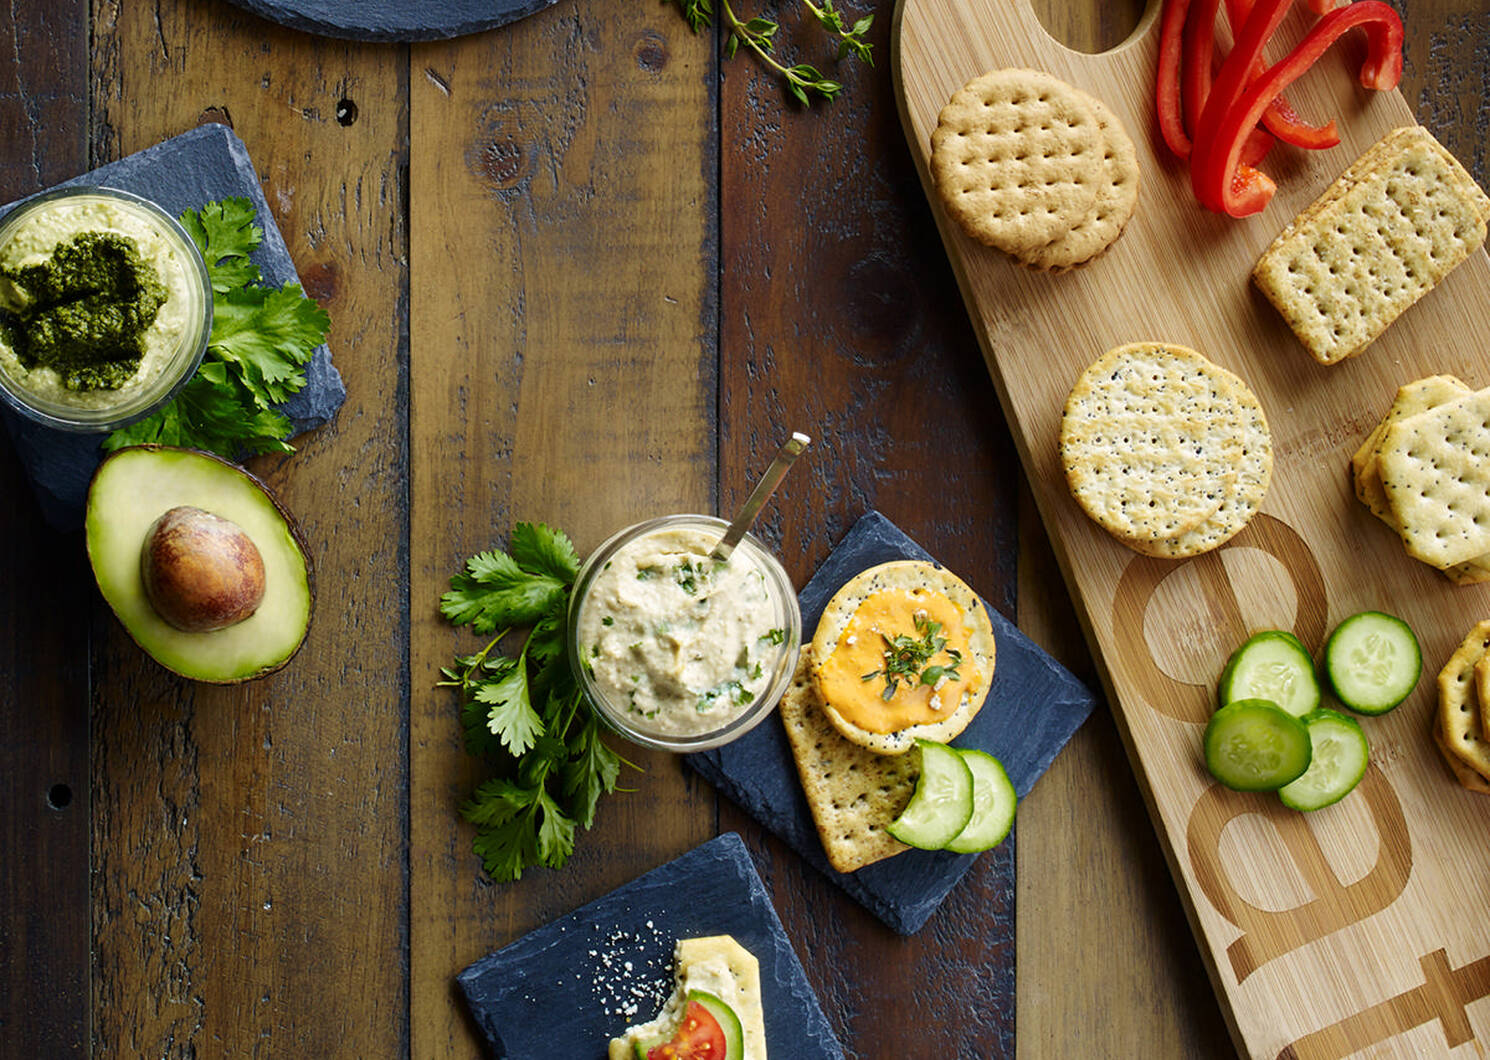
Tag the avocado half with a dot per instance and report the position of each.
(130, 490)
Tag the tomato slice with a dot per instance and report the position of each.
(699, 1037)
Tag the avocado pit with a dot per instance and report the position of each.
(201, 572)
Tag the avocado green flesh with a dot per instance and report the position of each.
(130, 491)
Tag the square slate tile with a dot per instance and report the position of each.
(190, 170)
(1034, 706)
(566, 989)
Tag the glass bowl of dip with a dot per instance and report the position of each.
(173, 342)
(675, 650)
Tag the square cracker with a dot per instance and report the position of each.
(1435, 471)
(1389, 229)
(853, 792)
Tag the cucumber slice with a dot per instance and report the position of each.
(1373, 662)
(943, 801)
(734, 1033)
(1254, 745)
(993, 804)
(1273, 665)
(1339, 754)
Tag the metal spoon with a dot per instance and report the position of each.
(789, 451)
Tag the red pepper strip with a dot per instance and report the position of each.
(1167, 93)
(1195, 75)
(1218, 169)
(1280, 118)
(1207, 175)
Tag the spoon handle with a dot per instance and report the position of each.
(789, 451)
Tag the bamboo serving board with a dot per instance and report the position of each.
(1364, 927)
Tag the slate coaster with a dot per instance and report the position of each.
(189, 170)
(566, 989)
(1034, 706)
(393, 20)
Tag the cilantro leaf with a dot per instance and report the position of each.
(209, 413)
(506, 848)
(494, 591)
(511, 716)
(539, 550)
(268, 336)
(551, 765)
(262, 338)
(590, 773)
(225, 233)
(496, 802)
(555, 833)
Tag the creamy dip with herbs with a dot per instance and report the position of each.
(153, 307)
(677, 642)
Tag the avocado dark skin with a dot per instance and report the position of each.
(201, 571)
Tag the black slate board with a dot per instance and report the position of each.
(566, 989)
(1034, 706)
(393, 20)
(189, 170)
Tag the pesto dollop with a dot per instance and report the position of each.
(83, 312)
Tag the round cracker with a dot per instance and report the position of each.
(906, 575)
(1241, 500)
(1117, 197)
(1017, 158)
(1154, 439)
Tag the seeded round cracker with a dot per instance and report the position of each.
(853, 793)
(1018, 158)
(909, 576)
(1243, 498)
(1117, 196)
(1154, 440)
(1458, 713)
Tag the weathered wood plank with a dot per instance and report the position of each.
(562, 350)
(840, 317)
(43, 646)
(249, 842)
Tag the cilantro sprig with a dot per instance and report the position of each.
(523, 714)
(262, 338)
(907, 658)
(803, 81)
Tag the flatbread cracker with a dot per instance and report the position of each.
(1436, 476)
(1458, 714)
(852, 792)
(1417, 396)
(1389, 229)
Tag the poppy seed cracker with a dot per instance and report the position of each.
(1167, 451)
(1380, 237)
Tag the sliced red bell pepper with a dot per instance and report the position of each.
(1280, 118)
(1220, 181)
(1167, 92)
(1190, 60)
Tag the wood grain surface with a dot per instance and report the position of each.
(583, 271)
(1345, 931)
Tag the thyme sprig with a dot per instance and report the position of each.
(803, 80)
(906, 659)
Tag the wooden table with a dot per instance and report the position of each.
(580, 272)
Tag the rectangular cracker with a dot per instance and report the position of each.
(1384, 234)
(1436, 477)
(852, 792)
